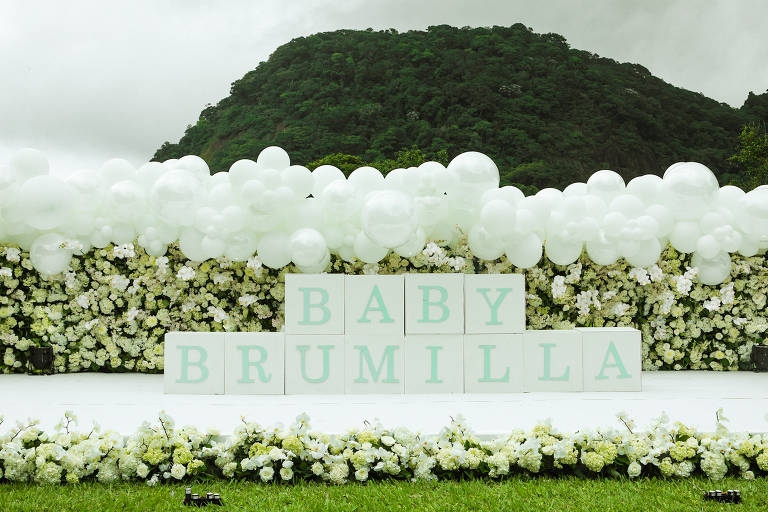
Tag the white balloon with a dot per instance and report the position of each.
(308, 247)
(273, 157)
(116, 170)
(241, 246)
(575, 190)
(48, 254)
(497, 217)
(628, 205)
(299, 179)
(684, 236)
(274, 249)
(27, 163)
(647, 188)
(707, 247)
(561, 252)
(525, 252)
(484, 245)
(473, 173)
(195, 165)
(323, 176)
(690, 189)
(243, 171)
(605, 184)
(367, 250)
(414, 245)
(365, 180)
(602, 251)
(388, 218)
(191, 245)
(46, 201)
(646, 254)
(712, 271)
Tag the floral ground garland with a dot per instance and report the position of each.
(111, 310)
(162, 452)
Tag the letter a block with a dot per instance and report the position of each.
(255, 363)
(553, 360)
(374, 305)
(612, 358)
(434, 363)
(314, 364)
(375, 364)
(194, 363)
(434, 304)
(314, 303)
(495, 303)
(493, 363)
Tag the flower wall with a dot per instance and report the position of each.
(161, 452)
(110, 310)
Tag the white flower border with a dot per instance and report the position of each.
(162, 452)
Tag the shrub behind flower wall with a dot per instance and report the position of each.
(111, 310)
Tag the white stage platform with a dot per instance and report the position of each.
(122, 402)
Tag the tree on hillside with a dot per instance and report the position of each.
(752, 155)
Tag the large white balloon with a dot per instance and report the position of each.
(712, 271)
(526, 251)
(308, 247)
(274, 249)
(27, 163)
(388, 218)
(473, 173)
(46, 201)
(49, 254)
(273, 157)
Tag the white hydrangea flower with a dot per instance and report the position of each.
(371, 268)
(13, 254)
(186, 273)
(124, 251)
(558, 287)
(6, 272)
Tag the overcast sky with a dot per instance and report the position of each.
(85, 81)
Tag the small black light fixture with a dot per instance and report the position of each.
(194, 500)
(760, 358)
(729, 496)
(40, 360)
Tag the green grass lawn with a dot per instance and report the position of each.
(516, 494)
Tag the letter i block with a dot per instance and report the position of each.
(493, 363)
(494, 303)
(612, 358)
(434, 363)
(553, 360)
(375, 364)
(314, 364)
(255, 363)
(434, 304)
(194, 363)
(374, 305)
(314, 303)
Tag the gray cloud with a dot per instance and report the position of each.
(86, 81)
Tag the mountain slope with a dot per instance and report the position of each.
(547, 114)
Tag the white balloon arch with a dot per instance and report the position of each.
(286, 213)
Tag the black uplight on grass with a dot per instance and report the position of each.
(729, 496)
(194, 500)
(760, 357)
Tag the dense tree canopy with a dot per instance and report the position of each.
(547, 114)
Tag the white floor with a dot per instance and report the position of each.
(122, 402)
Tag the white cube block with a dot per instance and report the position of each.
(434, 363)
(374, 304)
(434, 303)
(612, 358)
(374, 364)
(314, 363)
(493, 363)
(194, 363)
(553, 360)
(255, 363)
(314, 303)
(494, 303)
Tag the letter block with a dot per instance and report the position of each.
(494, 303)
(434, 304)
(374, 364)
(612, 358)
(434, 363)
(493, 363)
(255, 363)
(314, 303)
(553, 360)
(314, 363)
(374, 305)
(194, 363)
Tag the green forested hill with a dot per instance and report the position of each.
(547, 114)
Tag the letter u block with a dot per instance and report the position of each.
(494, 303)
(434, 303)
(374, 305)
(314, 364)
(255, 363)
(194, 363)
(314, 303)
(612, 358)
(553, 360)
(375, 364)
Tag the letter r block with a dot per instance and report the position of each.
(495, 303)
(434, 304)
(314, 303)
(254, 363)
(194, 363)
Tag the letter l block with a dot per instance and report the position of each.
(553, 360)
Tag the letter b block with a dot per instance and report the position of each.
(194, 363)
(434, 304)
(612, 358)
(314, 303)
(255, 363)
